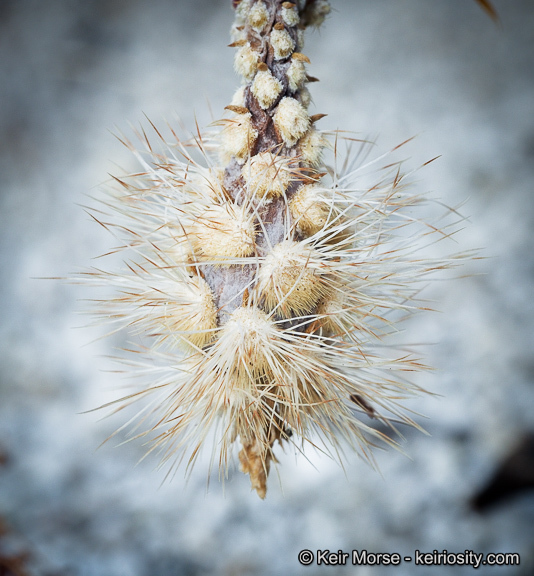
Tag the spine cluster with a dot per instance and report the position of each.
(263, 279)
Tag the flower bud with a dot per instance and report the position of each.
(258, 16)
(289, 14)
(193, 314)
(296, 75)
(224, 232)
(266, 88)
(246, 62)
(309, 209)
(311, 147)
(238, 137)
(282, 44)
(290, 279)
(267, 175)
(248, 333)
(291, 120)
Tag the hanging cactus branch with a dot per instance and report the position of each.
(264, 280)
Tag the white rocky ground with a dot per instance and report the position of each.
(440, 69)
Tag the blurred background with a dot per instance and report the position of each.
(74, 71)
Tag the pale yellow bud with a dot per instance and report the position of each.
(282, 44)
(238, 137)
(246, 62)
(289, 15)
(310, 210)
(242, 10)
(267, 175)
(258, 16)
(266, 88)
(247, 332)
(291, 120)
(193, 312)
(224, 231)
(311, 147)
(290, 279)
(296, 75)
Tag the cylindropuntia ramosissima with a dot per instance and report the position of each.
(263, 279)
